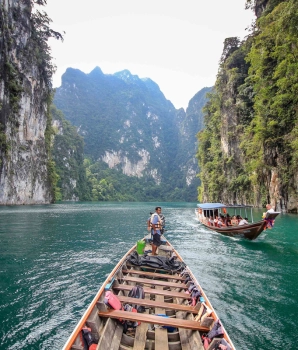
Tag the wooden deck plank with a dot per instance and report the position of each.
(168, 293)
(161, 334)
(165, 321)
(184, 333)
(141, 333)
(107, 335)
(154, 282)
(154, 274)
(115, 343)
(140, 337)
(152, 303)
(195, 340)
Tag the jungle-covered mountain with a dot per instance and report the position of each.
(137, 145)
(248, 152)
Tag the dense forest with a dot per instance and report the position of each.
(248, 151)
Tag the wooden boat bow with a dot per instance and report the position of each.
(170, 321)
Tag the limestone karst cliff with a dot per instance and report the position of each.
(26, 169)
(128, 125)
(249, 151)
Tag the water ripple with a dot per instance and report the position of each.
(54, 258)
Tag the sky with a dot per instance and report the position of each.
(175, 43)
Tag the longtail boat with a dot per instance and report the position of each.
(173, 313)
(250, 231)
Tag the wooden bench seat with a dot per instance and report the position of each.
(168, 293)
(163, 305)
(154, 282)
(153, 319)
(155, 269)
(154, 274)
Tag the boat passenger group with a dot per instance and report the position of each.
(224, 219)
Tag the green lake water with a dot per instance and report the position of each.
(54, 258)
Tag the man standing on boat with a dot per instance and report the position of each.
(269, 208)
(270, 222)
(155, 223)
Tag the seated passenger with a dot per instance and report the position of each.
(211, 221)
(220, 222)
(234, 221)
(243, 222)
(216, 221)
(228, 220)
(238, 217)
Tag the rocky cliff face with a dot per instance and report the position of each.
(255, 161)
(24, 96)
(128, 124)
(189, 123)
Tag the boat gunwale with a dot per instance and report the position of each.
(221, 206)
(70, 341)
(214, 315)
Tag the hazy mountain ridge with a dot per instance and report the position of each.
(127, 123)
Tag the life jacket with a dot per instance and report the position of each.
(158, 226)
(112, 301)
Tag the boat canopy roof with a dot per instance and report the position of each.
(207, 206)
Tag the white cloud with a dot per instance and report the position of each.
(177, 44)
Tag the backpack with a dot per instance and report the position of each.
(88, 339)
(129, 324)
(137, 292)
(216, 330)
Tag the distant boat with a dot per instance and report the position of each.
(250, 231)
(174, 313)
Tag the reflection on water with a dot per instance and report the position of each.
(54, 258)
